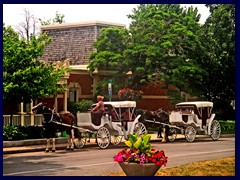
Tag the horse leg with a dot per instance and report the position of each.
(69, 142)
(164, 140)
(159, 135)
(48, 145)
(167, 132)
(53, 144)
(72, 136)
(89, 135)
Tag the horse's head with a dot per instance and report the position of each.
(40, 108)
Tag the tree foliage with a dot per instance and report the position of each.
(218, 55)
(159, 46)
(25, 78)
(59, 19)
(110, 46)
(164, 42)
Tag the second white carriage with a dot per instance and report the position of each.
(193, 117)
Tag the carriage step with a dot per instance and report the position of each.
(124, 131)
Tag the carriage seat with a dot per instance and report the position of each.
(112, 115)
(96, 118)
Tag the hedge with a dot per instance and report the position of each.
(11, 133)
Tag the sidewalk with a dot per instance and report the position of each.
(11, 147)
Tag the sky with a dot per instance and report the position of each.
(115, 13)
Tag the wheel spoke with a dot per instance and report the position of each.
(172, 134)
(79, 142)
(140, 128)
(116, 139)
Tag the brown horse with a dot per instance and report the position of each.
(160, 116)
(54, 122)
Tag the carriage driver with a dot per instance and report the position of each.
(98, 110)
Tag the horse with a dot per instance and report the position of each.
(52, 124)
(158, 116)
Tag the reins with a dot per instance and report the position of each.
(51, 120)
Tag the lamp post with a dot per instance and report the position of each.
(110, 89)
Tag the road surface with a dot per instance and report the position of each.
(92, 161)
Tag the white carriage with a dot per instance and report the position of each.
(109, 129)
(192, 118)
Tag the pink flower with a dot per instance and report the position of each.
(118, 158)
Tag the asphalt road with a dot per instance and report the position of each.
(92, 161)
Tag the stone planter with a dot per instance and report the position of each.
(134, 169)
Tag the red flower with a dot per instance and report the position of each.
(129, 94)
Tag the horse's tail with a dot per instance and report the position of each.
(74, 122)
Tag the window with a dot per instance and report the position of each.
(72, 95)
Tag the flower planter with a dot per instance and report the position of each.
(134, 169)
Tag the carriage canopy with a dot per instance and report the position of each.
(200, 108)
(198, 104)
(120, 104)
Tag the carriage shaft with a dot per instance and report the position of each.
(79, 128)
(156, 122)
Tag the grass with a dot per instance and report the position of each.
(216, 167)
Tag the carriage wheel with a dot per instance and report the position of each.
(79, 142)
(190, 133)
(103, 137)
(172, 134)
(115, 140)
(215, 130)
(140, 128)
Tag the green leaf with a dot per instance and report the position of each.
(138, 143)
(129, 144)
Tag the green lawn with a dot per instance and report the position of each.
(216, 167)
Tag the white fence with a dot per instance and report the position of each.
(24, 120)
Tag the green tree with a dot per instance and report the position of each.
(25, 78)
(59, 19)
(110, 45)
(159, 46)
(218, 57)
(164, 42)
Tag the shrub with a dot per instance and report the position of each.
(227, 127)
(11, 133)
(81, 106)
(33, 132)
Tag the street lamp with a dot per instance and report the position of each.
(129, 76)
(129, 73)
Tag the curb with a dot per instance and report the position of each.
(31, 142)
(35, 145)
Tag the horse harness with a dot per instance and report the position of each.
(56, 118)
